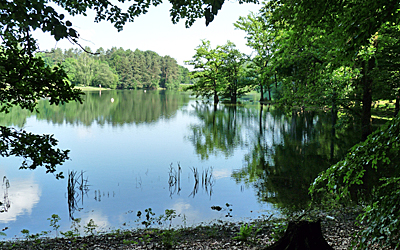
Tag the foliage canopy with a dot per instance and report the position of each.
(342, 55)
(117, 68)
(219, 71)
(339, 55)
(25, 78)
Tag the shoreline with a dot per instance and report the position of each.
(338, 234)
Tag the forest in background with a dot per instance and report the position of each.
(338, 55)
(117, 68)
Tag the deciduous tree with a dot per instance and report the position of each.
(260, 38)
(25, 78)
(208, 63)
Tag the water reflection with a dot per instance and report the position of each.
(174, 180)
(206, 180)
(250, 148)
(218, 131)
(99, 194)
(287, 152)
(77, 189)
(19, 198)
(125, 107)
(5, 204)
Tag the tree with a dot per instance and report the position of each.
(184, 75)
(137, 62)
(84, 69)
(103, 76)
(219, 72)
(70, 68)
(25, 78)
(343, 54)
(354, 26)
(169, 73)
(372, 164)
(387, 71)
(235, 74)
(124, 70)
(260, 37)
(208, 65)
(354, 22)
(131, 68)
(361, 31)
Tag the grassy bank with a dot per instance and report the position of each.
(90, 88)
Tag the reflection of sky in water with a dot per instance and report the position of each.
(127, 168)
(23, 196)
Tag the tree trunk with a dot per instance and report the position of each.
(233, 99)
(366, 126)
(234, 92)
(269, 94)
(334, 118)
(397, 104)
(262, 93)
(216, 99)
(302, 235)
(260, 120)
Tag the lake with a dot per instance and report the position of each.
(132, 150)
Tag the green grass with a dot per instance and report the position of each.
(86, 88)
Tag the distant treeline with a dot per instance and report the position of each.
(126, 107)
(117, 68)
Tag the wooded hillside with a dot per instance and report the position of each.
(118, 68)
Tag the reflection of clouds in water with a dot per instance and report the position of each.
(23, 195)
(99, 219)
(182, 208)
(83, 132)
(221, 173)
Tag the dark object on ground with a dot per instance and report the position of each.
(302, 235)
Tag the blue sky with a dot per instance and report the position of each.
(155, 31)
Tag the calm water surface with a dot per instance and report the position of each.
(129, 146)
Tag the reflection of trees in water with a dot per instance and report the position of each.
(126, 107)
(287, 152)
(77, 188)
(5, 204)
(16, 117)
(109, 107)
(219, 130)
